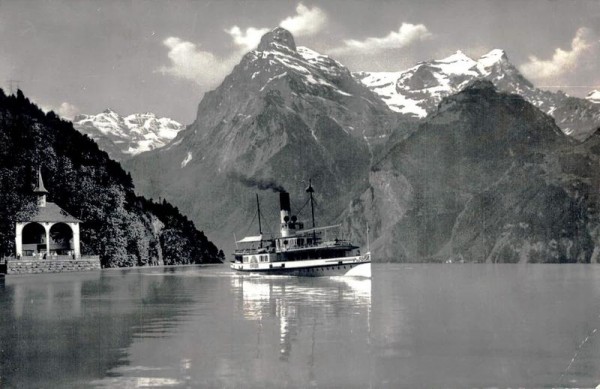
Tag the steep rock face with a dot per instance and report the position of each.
(123, 137)
(285, 114)
(417, 91)
(487, 177)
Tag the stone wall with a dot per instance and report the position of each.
(33, 266)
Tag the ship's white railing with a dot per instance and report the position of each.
(254, 250)
(337, 243)
(309, 230)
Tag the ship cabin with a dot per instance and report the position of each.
(314, 243)
(254, 249)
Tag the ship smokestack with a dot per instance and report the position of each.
(284, 205)
(284, 201)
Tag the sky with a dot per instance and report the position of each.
(83, 56)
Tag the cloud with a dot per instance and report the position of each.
(65, 110)
(406, 35)
(246, 40)
(307, 21)
(563, 61)
(189, 62)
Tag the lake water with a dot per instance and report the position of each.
(411, 326)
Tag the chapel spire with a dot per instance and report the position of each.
(40, 190)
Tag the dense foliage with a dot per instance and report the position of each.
(124, 229)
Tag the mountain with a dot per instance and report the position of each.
(285, 114)
(483, 176)
(486, 177)
(124, 229)
(593, 96)
(122, 137)
(416, 92)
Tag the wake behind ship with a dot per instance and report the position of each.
(298, 251)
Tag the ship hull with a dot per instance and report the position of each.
(358, 266)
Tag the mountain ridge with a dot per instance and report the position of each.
(285, 114)
(506, 185)
(125, 136)
(417, 90)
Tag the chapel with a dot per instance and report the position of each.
(50, 233)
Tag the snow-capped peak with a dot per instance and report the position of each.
(493, 57)
(278, 59)
(457, 63)
(277, 38)
(594, 96)
(418, 90)
(129, 135)
(459, 56)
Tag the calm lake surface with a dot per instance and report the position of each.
(411, 326)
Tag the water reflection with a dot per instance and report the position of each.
(66, 329)
(415, 326)
(24, 290)
(289, 299)
(256, 332)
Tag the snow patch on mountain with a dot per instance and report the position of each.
(314, 68)
(594, 96)
(186, 160)
(417, 91)
(384, 84)
(123, 136)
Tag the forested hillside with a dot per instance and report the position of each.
(124, 229)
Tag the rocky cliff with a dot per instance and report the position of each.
(487, 177)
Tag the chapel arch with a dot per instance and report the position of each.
(61, 238)
(33, 239)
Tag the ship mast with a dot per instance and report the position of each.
(258, 208)
(259, 225)
(310, 191)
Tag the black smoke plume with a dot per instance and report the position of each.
(256, 182)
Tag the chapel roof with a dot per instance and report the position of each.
(52, 213)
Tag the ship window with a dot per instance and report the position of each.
(300, 241)
(285, 242)
(309, 241)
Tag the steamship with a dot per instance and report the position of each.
(311, 252)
